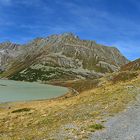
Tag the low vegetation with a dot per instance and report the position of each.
(132, 66)
(42, 74)
(78, 85)
(96, 127)
(21, 110)
(124, 76)
(75, 117)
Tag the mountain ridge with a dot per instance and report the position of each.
(63, 56)
(132, 66)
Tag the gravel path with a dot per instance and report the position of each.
(124, 126)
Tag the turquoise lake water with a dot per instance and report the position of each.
(11, 91)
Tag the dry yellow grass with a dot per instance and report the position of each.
(45, 119)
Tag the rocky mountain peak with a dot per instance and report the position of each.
(61, 56)
(9, 46)
(69, 34)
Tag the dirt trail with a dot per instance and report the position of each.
(124, 126)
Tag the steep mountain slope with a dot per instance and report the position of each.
(8, 51)
(63, 56)
(132, 66)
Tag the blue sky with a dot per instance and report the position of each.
(110, 22)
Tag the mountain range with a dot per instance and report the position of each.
(57, 57)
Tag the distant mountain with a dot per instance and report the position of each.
(132, 66)
(58, 57)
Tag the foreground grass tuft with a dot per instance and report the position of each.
(96, 126)
(22, 110)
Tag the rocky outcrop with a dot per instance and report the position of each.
(8, 51)
(62, 56)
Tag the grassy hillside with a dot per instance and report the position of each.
(74, 117)
(132, 66)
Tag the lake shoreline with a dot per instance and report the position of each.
(68, 92)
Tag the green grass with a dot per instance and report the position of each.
(96, 126)
(32, 75)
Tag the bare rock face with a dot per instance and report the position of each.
(62, 56)
(8, 51)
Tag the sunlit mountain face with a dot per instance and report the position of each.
(63, 56)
